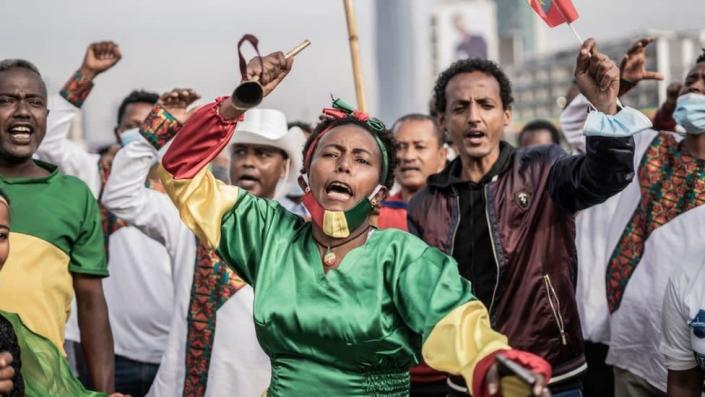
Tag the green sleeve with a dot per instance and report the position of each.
(88, 252)
(250, 230)
(428, 288)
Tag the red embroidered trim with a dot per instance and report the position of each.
(671, 184)
(159, 127)
(213, 284)
(76, 89)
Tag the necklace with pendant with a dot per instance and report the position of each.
(330, 259)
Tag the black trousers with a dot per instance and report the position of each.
(432, 389)
(598, 381)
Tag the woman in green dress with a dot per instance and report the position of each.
(342, 309)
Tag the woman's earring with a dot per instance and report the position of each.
(303, 183)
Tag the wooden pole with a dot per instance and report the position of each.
(355, 55)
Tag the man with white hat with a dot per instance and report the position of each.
(265, 155)
(212, 348)
(293, 200)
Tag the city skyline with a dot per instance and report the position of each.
(175, 44)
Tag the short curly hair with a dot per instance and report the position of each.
(385, 136)
(306, 127)
(469, 66)
(136, 96)
(539, 125)
(437, 131)
(7, 64)
(701, 58)
(10, 64)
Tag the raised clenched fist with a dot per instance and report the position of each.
(177, 102)
(100, 56)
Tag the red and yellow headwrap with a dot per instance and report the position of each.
(342, 110)
(339, 224)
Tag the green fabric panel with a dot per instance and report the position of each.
(61, 210)
(354, 331)
(253, 223)
(44, 369)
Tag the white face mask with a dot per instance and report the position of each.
(690, 113)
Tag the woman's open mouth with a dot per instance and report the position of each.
(339, 191)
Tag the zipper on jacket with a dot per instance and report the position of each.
(457, 221)
(555, 308)
(492, 242)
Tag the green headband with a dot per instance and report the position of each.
(341, 110)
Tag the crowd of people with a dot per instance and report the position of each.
(221, 250)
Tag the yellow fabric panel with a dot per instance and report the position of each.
(201, 201)
(461, 339)
(36, 284)
(335, 224)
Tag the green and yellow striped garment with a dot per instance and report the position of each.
(55, 231)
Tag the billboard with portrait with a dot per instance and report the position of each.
(463, 29)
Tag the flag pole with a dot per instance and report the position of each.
(570, 25)
(355, 55)
(575, 32)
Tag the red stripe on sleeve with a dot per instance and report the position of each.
(205, 134)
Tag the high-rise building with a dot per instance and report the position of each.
(417, 39)
(518, 31)
(403, 57)
(541, 83)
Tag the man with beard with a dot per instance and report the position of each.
(507, 215)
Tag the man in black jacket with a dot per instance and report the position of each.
(506, 215)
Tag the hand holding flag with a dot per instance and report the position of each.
(597, 77)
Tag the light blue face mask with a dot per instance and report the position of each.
(130, 135)
(690, 113)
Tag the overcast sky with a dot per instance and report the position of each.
(608, 19)
(173, 43)
(168, 44)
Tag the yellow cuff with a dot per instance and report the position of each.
(461, 339)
